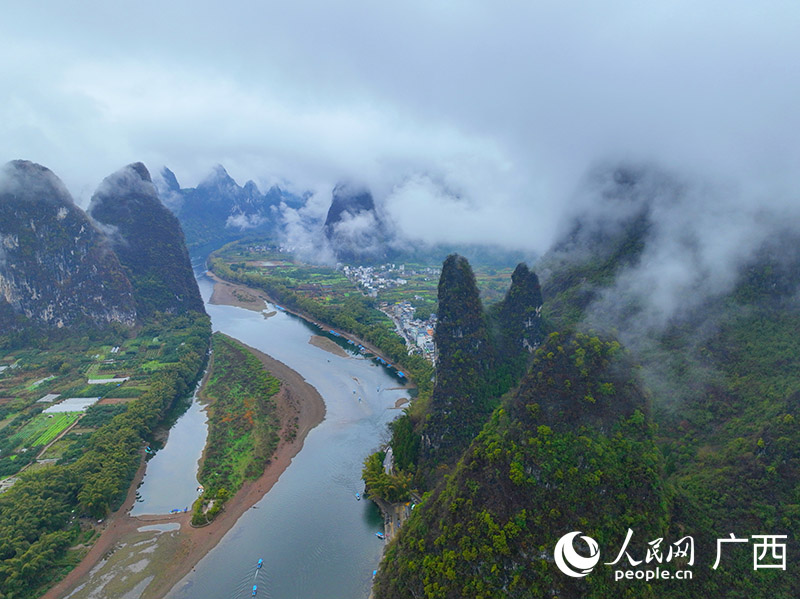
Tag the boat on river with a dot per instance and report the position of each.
(380, 535)
(260, 563)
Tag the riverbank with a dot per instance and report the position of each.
(117, 565)
(328, 345)
(231, 294)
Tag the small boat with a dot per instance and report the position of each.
(358, 496)
(380, 535)
(260, 563)
(255, 589)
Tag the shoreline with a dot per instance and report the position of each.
(228, 293)
(187, 546)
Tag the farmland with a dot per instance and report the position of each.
(43, 428)
(62, 369)
(331, 286)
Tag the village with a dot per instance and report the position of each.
(376, 281)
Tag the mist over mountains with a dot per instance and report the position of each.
(664, 244)
(219, 209)
(347, 223)
(148, 240)
(56, 267)
(62, 267)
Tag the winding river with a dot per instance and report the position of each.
(316, 539)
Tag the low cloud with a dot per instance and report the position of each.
(695, 241)
(243, 222)
(468, 122)
(302, 229)
(25, 180)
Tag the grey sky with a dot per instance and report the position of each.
(481, 116)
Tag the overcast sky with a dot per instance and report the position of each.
(483, 116)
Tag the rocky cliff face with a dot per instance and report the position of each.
(56, 267)
(148, 240)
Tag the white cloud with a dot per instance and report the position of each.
(482, 116)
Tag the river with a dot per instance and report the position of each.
(315, 537)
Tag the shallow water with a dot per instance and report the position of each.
(315, 537)
(170, 481)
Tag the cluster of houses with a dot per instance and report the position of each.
(418, 334)
(371, 279)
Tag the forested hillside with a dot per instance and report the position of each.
(56, 268)
(462, 396)
(44, 513)
(708, 449)
(481, 356)
(571, 449)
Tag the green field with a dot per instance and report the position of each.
(43, 428)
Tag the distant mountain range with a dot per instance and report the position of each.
(352, 230)
(220, 210)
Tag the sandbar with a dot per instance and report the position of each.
(177, 552)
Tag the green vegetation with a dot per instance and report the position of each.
(711, 450)
(43, 428)
(98, 415)
(49, 509)
(391, 487)
(547, 462)
(148, 242)
(465, 374)
(481, 356)
(100, 306)
(243, 425)
(341, 306)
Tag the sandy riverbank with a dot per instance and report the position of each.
(328, 345)
(233, 294)
(118, 566)
(230, 294)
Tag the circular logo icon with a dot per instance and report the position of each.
(569, 561)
